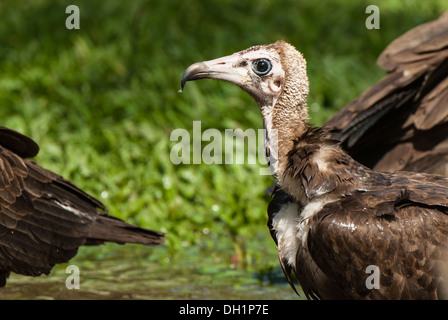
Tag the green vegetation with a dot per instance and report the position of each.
(102, 101)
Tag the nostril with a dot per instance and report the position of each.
(243, 64)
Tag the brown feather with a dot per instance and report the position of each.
(401, 123)
(44, 218)
(397, 222)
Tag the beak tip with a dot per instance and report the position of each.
(183, 81)
(194, 72)
(185, 78)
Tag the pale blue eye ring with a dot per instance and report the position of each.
(261, 66)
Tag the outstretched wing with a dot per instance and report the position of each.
(401, 123)
(44, 218)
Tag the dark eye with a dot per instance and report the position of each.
(261, 67)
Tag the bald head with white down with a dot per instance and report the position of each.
(274, 75)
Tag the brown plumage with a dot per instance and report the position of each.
(333, 218)
(45, 218)
(401, 122)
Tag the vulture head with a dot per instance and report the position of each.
(274, 75)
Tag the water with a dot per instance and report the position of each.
(123, 272)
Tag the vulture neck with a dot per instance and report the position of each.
(310, 163)
(283, 126)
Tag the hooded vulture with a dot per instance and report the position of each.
(336, 222)
(45, 218)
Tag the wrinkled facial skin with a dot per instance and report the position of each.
(266, 86)
(258, 72)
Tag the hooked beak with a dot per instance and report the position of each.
(226, 68)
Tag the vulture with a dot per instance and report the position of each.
(345, 230)
(44, 218)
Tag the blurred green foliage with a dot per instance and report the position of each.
(102, 101)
